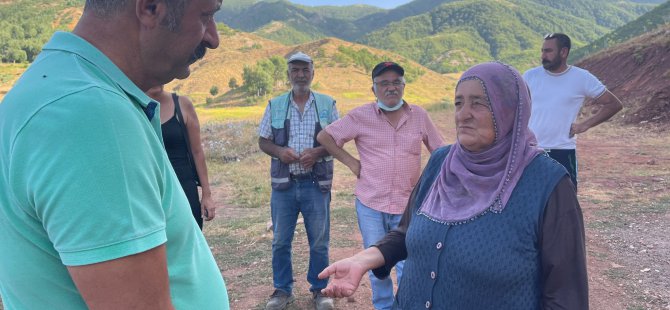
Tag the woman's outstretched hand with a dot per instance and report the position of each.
(346, 274)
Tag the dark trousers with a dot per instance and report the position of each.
(567, 158)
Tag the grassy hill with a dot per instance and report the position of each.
(307, 20)
(459, 34)
(336, 74)
(444, 35)
(651, 20)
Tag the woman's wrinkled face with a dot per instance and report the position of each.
(474, 120)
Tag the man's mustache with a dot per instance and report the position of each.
(199, 53)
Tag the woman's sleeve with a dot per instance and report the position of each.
(392, 245)
(565, 282)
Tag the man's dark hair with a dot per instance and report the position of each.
(562, 40)
(108, 8)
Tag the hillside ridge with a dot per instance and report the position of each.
(638, 72)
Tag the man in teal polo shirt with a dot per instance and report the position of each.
(91, 212)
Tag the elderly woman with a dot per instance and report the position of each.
(494, 223)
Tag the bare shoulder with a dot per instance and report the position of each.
(186, 104)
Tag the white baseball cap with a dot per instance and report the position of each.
(299, 56)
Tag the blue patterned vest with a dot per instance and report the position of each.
(491, 262)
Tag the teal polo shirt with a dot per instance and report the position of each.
(84, 179)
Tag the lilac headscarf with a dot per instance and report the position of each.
(471, 184)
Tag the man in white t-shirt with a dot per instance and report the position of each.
(558, 92)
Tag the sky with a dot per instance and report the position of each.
(386, 4)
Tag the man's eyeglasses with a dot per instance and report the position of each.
(549, 36)
(386, 84)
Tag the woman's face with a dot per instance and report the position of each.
(474, 120)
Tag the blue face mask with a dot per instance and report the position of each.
(384, 107)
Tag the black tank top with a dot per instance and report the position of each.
(175, 146)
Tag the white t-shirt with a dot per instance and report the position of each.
(556, 101)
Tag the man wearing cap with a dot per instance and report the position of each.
(388, 135)
(558, 91)
(301, 176)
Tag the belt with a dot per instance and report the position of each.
(301, 177)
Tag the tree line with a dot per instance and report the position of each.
(26, 25)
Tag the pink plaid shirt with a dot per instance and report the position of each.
(390, 157)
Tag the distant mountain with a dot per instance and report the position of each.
(313, 23)
(457, 35)
(445, 35)
(649, 1)
(287, 33)
(348, 13)
(610, 14)
(638, 72)
(378, 20)
(651, 20)
(345, 22)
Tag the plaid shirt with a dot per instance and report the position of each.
(301, 133)
(390, 157)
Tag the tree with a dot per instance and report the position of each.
(214, 90)
(257, 82)
(233, 83)
(16, 55)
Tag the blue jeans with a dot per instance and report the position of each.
(303, 197)
(374, 225)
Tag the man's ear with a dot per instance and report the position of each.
(150, 12)
(564, 52)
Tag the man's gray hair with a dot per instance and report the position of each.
(104, 8)
(108, 8)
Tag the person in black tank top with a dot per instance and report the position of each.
(181, 135)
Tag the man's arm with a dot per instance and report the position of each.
(137, 281)
(609, 105)
(341, 154)
(432, 139)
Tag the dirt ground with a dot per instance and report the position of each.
(624, 179)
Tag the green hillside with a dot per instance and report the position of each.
(286, 33)
(606, 13)
(296, 18)
(348, 13)
(352, 22)
(444, 35)
(381, 19)
(25, 26)
(459, 34)
(651, 20)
